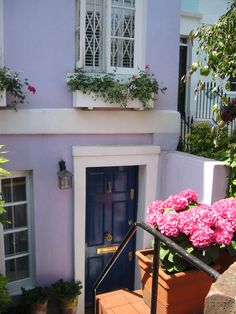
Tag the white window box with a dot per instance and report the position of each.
(3, 101)
(90, 101)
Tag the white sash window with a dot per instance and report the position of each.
(17, 245)
(110, 35)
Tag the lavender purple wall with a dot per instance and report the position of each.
(163, 25)
(53, 208)
(39, 41)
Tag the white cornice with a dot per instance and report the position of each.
(75, 121)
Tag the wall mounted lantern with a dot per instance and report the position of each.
(64, 176)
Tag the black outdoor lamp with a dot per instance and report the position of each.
(64, 176)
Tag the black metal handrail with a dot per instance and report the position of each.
(158, 237)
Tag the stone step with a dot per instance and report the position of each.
(122, 302)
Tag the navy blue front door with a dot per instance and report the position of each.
(111, 201)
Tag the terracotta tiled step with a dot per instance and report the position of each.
(122, 302)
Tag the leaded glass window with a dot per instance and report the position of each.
(122, 33)
(110, 35)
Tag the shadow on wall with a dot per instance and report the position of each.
(179, 171)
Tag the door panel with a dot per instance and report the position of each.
(110, 206)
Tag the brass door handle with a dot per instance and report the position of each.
(108, 236)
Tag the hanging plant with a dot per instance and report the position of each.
(11, 83)
(142, 86)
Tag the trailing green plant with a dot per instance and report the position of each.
(143, 86)
(66, 289)
(4, 295)
(37, 295)
(11, 82)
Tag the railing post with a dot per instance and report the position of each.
(155, 273)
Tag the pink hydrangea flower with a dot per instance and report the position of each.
(168, 224)
(190, 195)
(203, 225)
(202, 236)
(176, 202)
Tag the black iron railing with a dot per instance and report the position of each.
(158, 237)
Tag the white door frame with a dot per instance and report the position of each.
(144, 156)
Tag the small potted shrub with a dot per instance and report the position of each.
(37, 299)
(67, 292)
(4, 295)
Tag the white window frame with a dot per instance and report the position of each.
(139, 37)
(14, 287)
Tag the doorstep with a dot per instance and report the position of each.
(122, 302)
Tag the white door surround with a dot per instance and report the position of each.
(144, 156)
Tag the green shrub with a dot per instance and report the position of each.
(201, 142)
(37, 295)
(66, 289)
(4, 295)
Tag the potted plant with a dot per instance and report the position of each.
(202, 230)
(37, 299)
(11, 84)
(67, 293)
(138, 92)
(4, 295)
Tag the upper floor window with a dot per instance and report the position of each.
(17, 255)
(110, 35)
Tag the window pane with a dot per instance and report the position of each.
(122, 41)
(20, 216)
(16, 243)
(19, 189)
(9, 216)
(122, 53)
(6, 190)
(122, 23)
(11, 270)
(126, 3)
(18, 268)
(21, 242)
(9, 244)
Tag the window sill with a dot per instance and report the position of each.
(81, 100)
(3, 101)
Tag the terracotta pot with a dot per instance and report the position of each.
(68, 306)
(39, 308)
(180, 293)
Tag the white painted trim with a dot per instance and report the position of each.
(146, 157)
(91, 101)
(76, 121)
(15, 286)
